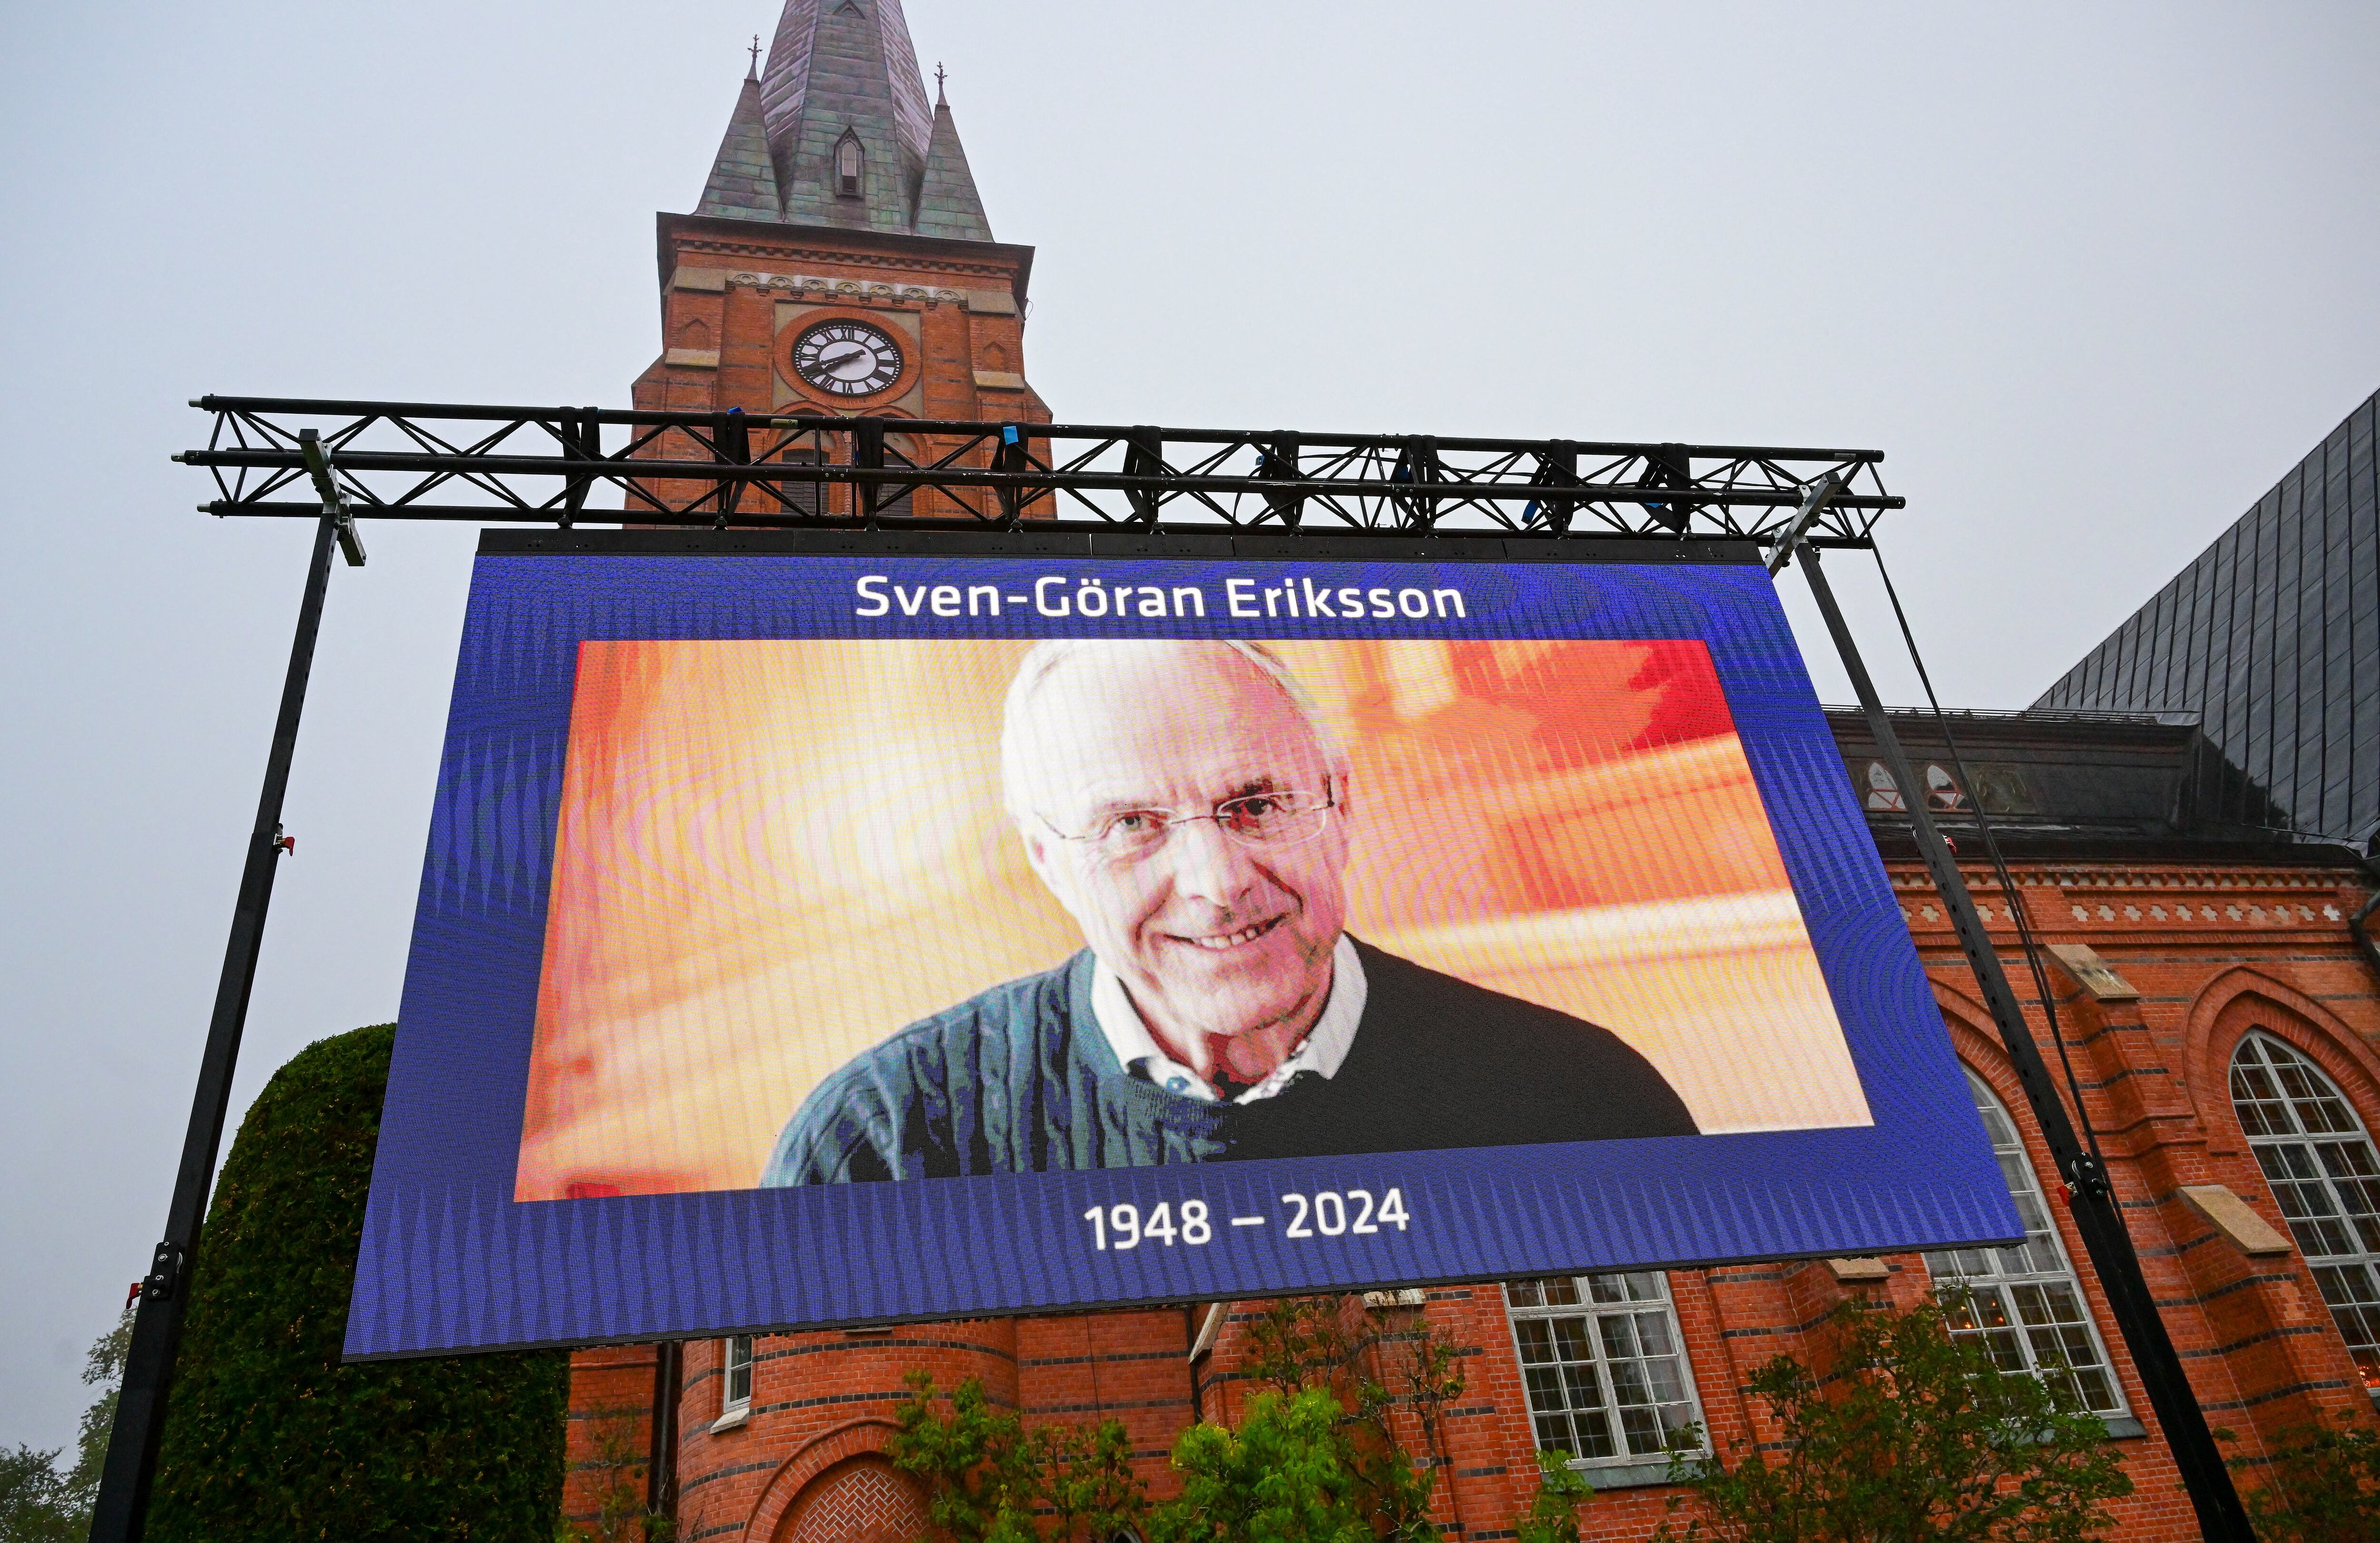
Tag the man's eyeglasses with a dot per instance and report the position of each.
(1283, 818)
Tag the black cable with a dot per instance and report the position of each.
(2015, 906)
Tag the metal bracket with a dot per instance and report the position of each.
(165, 1275)
(335, 502)
(1816, 496)
(2088, 1178)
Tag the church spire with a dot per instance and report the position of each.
(948, 204)
(842, 121)
(743, 183)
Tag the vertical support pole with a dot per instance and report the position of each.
(1280, 463)
(1144, 456)
(1012, 456)
(2097, 1215)
(660, 1466)
(1557, 468)
(868, 454)
(1669, 466)
(735, 442)
(123, 1504)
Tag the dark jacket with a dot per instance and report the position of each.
(1020, 1079)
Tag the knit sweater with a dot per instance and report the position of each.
(1020, 1079)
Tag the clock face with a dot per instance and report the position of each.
(849, 359)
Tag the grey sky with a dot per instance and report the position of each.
(2093, 276)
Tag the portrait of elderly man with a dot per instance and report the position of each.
(1191, 810)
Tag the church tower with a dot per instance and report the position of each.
(839, 259)
(839, 262)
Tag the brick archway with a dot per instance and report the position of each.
(863, 1501)
(2243, 998)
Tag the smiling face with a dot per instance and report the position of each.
(1215, 939)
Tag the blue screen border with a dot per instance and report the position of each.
(450, 1261)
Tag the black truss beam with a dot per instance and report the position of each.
(564, 465)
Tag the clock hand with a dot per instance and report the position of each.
(839, 360)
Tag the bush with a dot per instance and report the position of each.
(268, 1437)
(1321, 1457)
(1552, 1516)
(1283, 1476)
(1912, 1434)
(1391, 1376)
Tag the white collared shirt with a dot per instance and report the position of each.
(1322, 1051)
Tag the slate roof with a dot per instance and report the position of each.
(743, 183)
(841, 69)
(949, 206)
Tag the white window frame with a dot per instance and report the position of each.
(1622, 1468)
(733, 1408)
(2011, 1294)
(2309, 1143)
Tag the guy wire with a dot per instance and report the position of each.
(2015, 906)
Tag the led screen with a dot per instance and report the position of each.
(814, 937)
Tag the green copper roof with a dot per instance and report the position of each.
(743, 183)
(843, 71)
(949, 206)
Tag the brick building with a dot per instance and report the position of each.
(2221, 1014)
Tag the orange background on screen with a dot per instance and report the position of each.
(773, 855)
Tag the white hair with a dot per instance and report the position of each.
(1043, 659)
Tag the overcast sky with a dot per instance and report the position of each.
(2093, 277)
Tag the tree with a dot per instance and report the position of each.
(1393, 1377)
(1282, 1478)
(1913, 1434)
(268, 1436)
(1553, 1512)
(618, 1471)
(35, 1504)
(987, 1478)
(103, 1368)
(982, 1475)
(2323, 1487)
(1092, 1490)
(38, 1502)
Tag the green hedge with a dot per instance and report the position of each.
(268, 1437)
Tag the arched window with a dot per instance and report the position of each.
(850, 161)
(2024, 1301)
(2318, 1159)
(816, 498)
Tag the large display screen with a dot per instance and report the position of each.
(949, 926)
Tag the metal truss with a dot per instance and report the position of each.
(567, 466)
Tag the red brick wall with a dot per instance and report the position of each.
(2259, 1344)
(610, 1426)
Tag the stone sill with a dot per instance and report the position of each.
(1621, 1475)
(1646, 1475)
(730, 1420)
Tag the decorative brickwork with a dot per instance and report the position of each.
(863, 1501)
